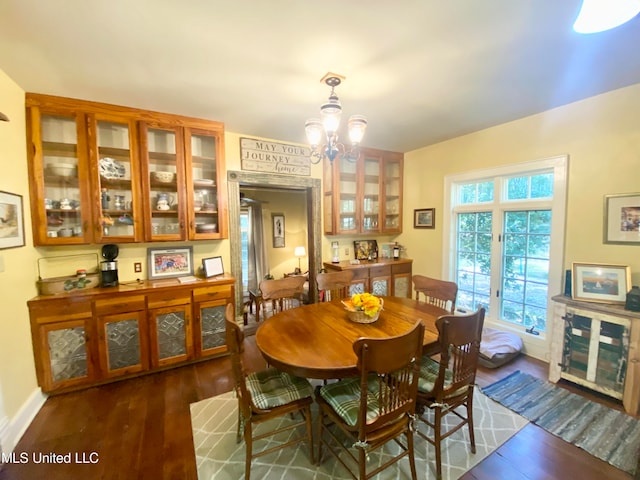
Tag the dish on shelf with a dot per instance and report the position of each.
(206, 227)
(204, 182)
(62, 169)
(111, 168)
(163, 177)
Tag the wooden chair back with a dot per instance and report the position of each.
(235, 345)
(334, 285)
(394, 365)
(436, 292)
(283, 293)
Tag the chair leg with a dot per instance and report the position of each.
(238, 432)
(472, 435)
(248, 440)
(362, 462)
(307, 414)
(319, 439)
(437, 430)
(412, 457)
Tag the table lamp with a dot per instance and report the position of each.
(299, 252)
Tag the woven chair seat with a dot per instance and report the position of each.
(271, 388)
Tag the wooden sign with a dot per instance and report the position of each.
(272, 157)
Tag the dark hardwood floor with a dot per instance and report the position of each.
(141, 428)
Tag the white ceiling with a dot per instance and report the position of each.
(421, 71)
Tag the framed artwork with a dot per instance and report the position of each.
(363, 249)
(277, 219)
(11, 221)
(594, 282)
(424, 218)
(622, 219)
(169, 262)
(212, 266)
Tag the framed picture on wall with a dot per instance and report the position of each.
(594, 282)
(424, 218)
(277, 219)
(622, 219)
(11, 221)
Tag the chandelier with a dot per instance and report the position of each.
(328, 125)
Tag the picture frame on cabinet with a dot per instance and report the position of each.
(601, 283)
(212, 266)
(11, 221)
(277, 219)
(622, 219)
(169, 262)
(424, 218)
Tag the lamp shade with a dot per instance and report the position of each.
(299, 252)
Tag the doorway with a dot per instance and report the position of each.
(310, 186)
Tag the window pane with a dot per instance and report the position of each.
(518, 188)
(485, 192)
(542, 186)
(476, 192)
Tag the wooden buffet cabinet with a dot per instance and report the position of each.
(384, 277)
(86, 338)
(103, 173)
(598, 346)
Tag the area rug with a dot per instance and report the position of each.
(219, 457)
(608, 434)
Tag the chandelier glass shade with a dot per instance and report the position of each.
(326, 127)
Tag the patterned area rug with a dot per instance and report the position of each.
(605, 433)
(219, 457)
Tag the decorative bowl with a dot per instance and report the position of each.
(111, 168)
(163, 177)
(359, 316)
(206, 228)
(63, 169)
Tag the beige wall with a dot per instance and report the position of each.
(601, 136)
(17, 280)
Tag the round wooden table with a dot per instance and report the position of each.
(315, 341)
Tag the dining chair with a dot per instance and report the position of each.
(441, 293)
(334, 285)
(265, 395)
(376, 407)
(282, 294)
(448, 384)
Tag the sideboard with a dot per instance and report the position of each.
(99, 335)
(380, 277)
(597, 346)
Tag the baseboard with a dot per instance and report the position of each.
(11, 430)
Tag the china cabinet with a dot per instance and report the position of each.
(381, 277)
(363, 196)
(107, 174)
(100, 335)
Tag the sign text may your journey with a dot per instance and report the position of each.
(272, 157)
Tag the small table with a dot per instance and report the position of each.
(316, 341)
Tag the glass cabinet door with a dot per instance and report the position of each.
(123, 343)
(67, 354)
(171, 340)
(371, 194)
(62, 214)
(203, 178)
(347, 199)
(163, 149)
(392, 196)
(211, 331)
(118, 186)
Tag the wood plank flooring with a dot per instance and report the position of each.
(141, 429)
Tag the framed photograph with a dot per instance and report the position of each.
(169, 262)
(363, 249)
(11, 221)
(277, 219)
(622, 219)
(424, 218)
(593, 282)
(212, 266)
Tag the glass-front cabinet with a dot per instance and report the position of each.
(60, 200)
(363, 195)
(106, 174)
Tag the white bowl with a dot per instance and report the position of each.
(63, 169)
(163, 177)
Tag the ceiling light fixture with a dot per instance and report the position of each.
(600, 15)
(328, 125)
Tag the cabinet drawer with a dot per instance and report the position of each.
(360, 273)
(59, 310)
(212, 293)
(119, 304)
(379, 271)
(168, 299)
(401, 268)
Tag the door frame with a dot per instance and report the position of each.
(312, 187)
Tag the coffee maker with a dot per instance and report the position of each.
(109, 267)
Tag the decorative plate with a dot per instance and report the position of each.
(111, 168)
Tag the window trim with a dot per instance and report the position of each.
(559, 165)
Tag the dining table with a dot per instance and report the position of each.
(316, 340)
